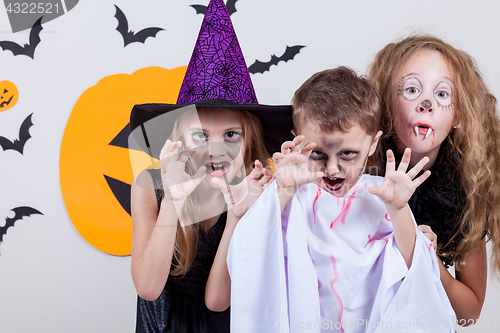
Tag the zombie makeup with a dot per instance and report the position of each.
(341, 156)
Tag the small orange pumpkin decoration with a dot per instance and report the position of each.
(8, 95)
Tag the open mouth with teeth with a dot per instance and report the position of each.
(333, 183)
(423, 130)
(218, 169)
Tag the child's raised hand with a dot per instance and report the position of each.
(241, 196)
(177, 183)
(399, 185)
(291, 164)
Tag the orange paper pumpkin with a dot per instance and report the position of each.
(95, 173)
(8, 95)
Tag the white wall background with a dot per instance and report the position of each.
(51, 280)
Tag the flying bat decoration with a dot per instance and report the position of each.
(230, 5)
(261, 67)
(200, 9)
(130, 36)
(24, 135)
(27, 49)
(20, 212)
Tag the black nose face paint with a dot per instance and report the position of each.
(426, 104)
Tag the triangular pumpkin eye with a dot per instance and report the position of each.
(5, 91)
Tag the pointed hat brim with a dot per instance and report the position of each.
(276, 121)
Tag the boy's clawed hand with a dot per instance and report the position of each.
(399, 185)
(241, 196)
(291, 164)
(177, 183)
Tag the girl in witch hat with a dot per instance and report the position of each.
(185, 212)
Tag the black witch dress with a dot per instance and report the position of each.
(181, 306)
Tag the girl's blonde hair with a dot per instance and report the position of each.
(186, 240)
(475, 142)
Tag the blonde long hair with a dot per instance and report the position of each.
(186, 240)
(475, 143)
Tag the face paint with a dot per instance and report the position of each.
(218, 136)
(424, 106)
(341, 156)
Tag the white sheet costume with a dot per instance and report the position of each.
(329, 264)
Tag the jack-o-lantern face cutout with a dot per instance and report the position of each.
(95, 163)
(8, 95)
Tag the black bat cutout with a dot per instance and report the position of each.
(27, 49)
(130, 36)
(20, 212)
(261, 67)
(230, 5)
(24, 135)
(200, 9)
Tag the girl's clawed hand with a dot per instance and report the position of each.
(177, 183)
(241, 196)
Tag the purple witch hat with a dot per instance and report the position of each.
(217, 68)
(217, 76)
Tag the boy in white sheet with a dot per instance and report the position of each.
(349, 243)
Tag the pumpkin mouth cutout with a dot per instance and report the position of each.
(8, 95)
(6, 102)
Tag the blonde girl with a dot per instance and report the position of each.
(181, 229)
